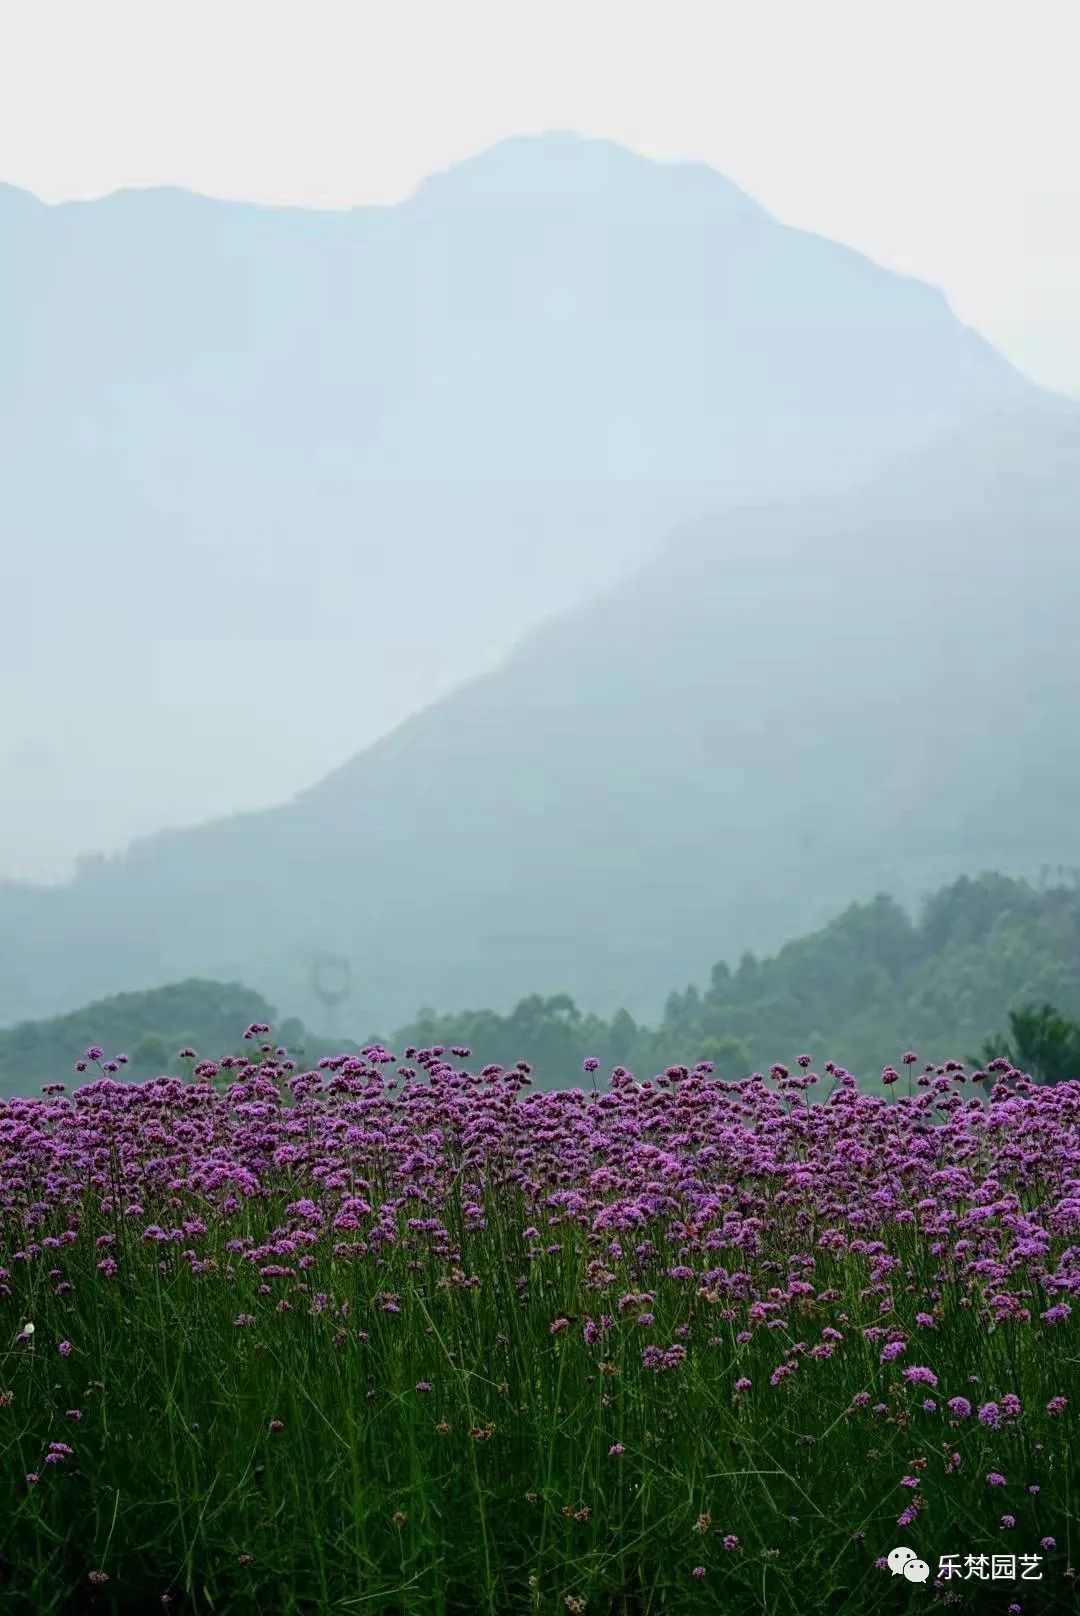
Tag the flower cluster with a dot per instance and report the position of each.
(640, 1242)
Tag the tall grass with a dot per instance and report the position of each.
(419, 1342)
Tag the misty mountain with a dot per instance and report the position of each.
(791, 706)
(272, 479)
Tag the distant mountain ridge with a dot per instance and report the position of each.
(244, 450)
(541, 290)
(789, 707)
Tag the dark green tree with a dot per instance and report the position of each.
(1042, 1043)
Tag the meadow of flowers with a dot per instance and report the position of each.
(395, 1336)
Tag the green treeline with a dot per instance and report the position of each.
(862, 990)
(150, 1028)
(991, 966)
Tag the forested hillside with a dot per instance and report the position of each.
(149, 1028)
(862, 990)
(866, 987)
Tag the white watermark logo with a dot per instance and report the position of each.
(906, 1563)
(982, 1567)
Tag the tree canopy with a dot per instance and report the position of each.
(861, 990)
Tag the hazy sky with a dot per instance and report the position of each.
(938, 136)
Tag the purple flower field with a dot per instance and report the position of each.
(394, 1336)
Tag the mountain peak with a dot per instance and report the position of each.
(472, 410)
(562, 165)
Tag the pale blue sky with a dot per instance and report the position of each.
(938, 136)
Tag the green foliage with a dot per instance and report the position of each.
(454, 1456)
(867, 986)
(150, 1028)
(1044, 1044)
(862, 989)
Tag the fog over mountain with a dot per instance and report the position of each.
(273, 479)
(791, 705)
